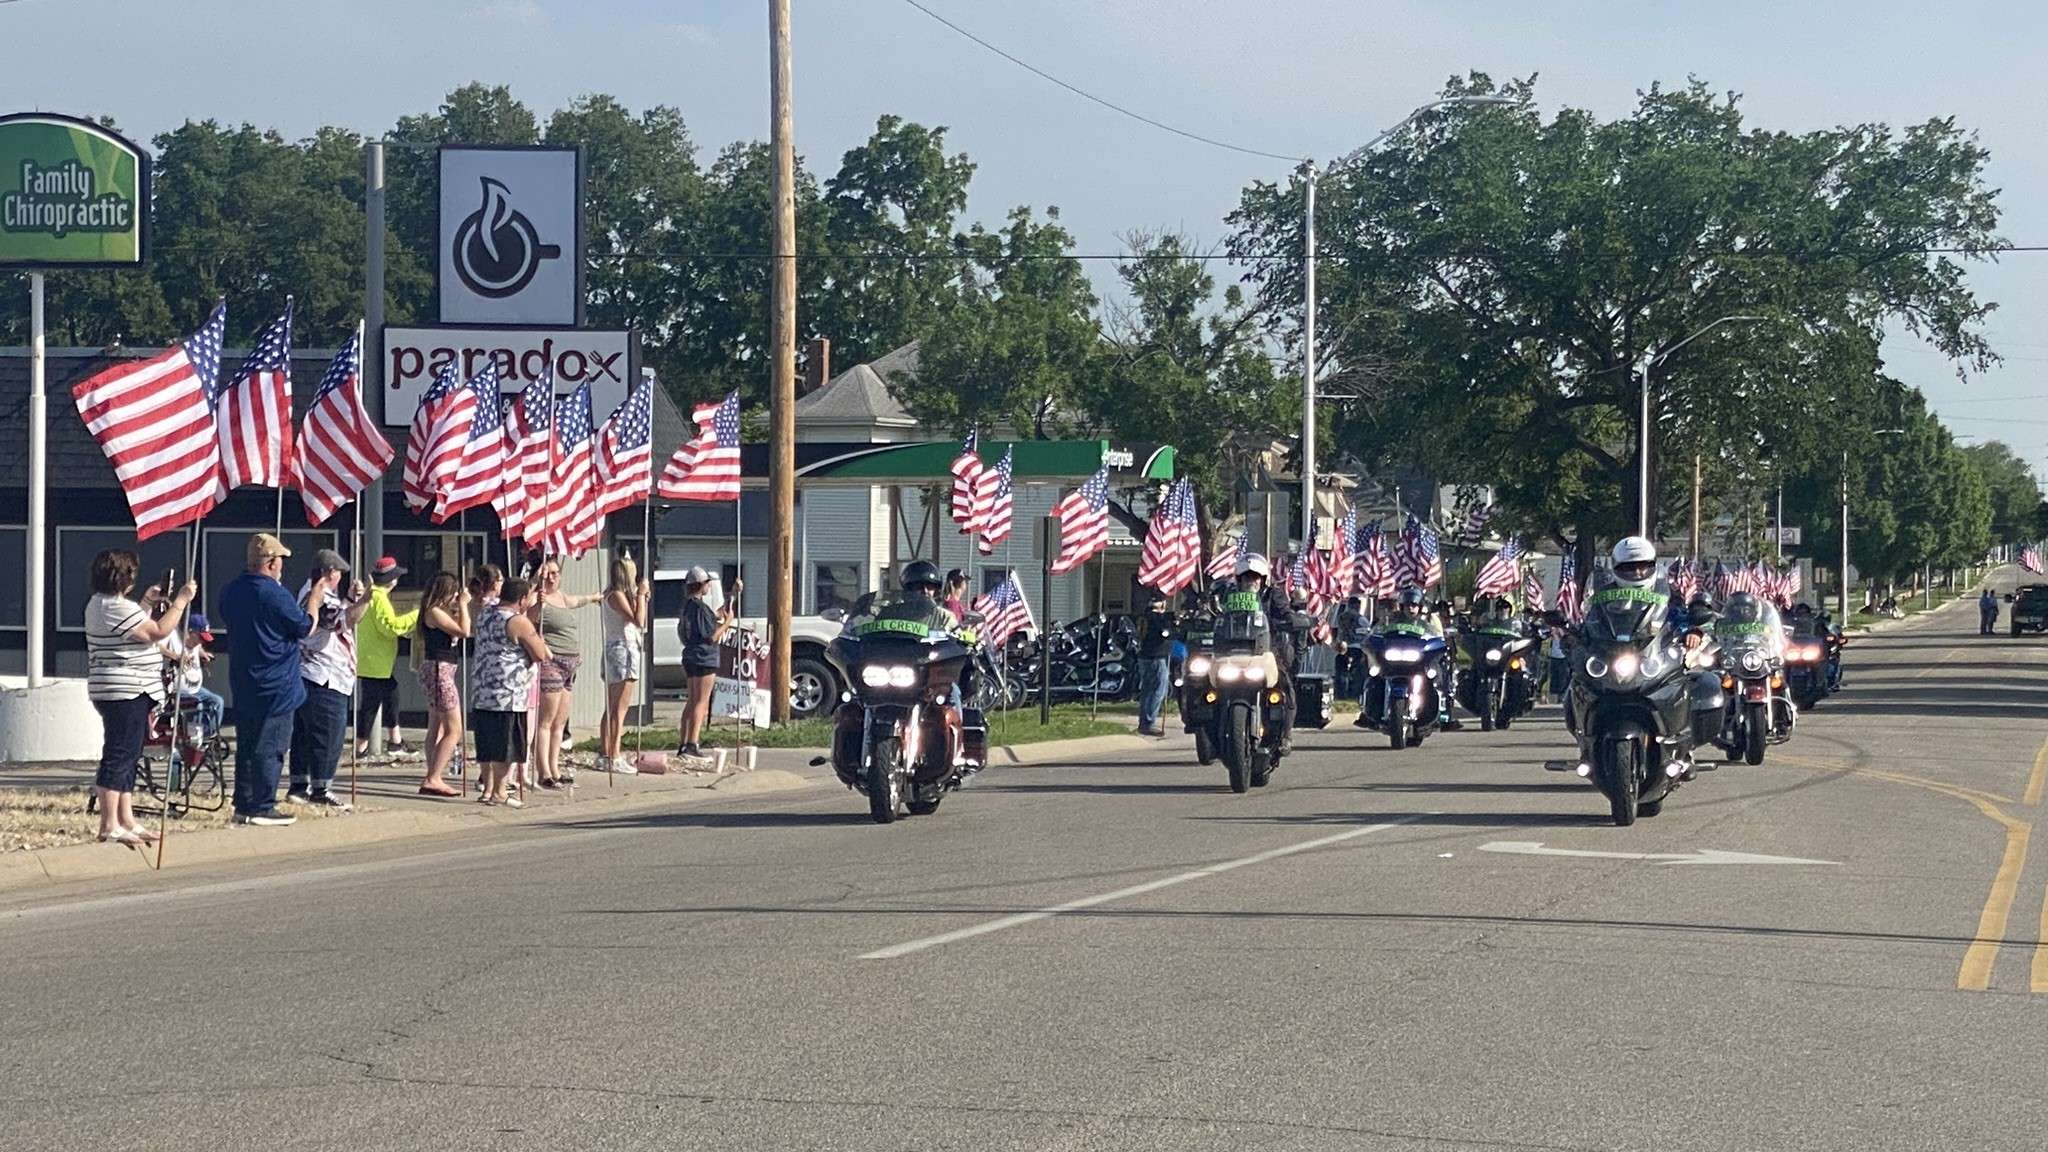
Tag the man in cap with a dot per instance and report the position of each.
(327, 665)
(265, 626)
(377, 656)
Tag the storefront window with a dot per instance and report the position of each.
(835, 586)
(77, 546)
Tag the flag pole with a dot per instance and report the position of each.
(163, 815)
(1101, 579)
(646, 638)
(355, 560)
(460, 761)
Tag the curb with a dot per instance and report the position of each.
(1054, 751)
(74, 862)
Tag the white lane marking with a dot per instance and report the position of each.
(1702, 856)
(897, 950)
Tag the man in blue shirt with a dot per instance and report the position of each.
(265, 626)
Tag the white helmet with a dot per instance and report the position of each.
(1255, 563)
(1635, 561)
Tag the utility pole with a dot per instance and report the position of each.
(1695, 507)
(1308, 355)
(370, 505)
(782, 373)
(1778, 524)
(1844, 612)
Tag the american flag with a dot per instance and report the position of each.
(1532, 590)
(1173, 543)
(1569, 605)
(1375, 567)
(1084, 522)
(707, 466)
(440, 428)
(1472, 528)
(533, 420)
(154, 420)
(1794, 582)
(1343, 568)
(1226, 560)
(1417, 562)
(996, 490)
(574, 523)
(339, 448)
(966, 469)
(625, 452)
(2030, 558)
(479, 472)
(254, 414)
(1727, 582)
(510, 503)
(1004, 612)
(1501, 569)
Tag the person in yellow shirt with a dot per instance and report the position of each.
(377, 657)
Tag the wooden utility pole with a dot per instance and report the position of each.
(782, 360)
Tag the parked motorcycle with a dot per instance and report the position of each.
(1404, 665)
(1089, 657)
(1500, 684)
(1231, 698)
(900, 741)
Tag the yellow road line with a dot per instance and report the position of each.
(2039, 778)
(2041, 951)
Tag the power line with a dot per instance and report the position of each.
(1086, 95)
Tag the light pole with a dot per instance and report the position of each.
(1308, 290)
(1844, 606)
(1643, 369)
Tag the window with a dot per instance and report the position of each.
(992, 579)
(835, 586)
(77, 546)
(428, 554)
(13, 560)
(227, 556)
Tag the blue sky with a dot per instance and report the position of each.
(1288, 76)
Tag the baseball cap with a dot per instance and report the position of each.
(263, 546)
(696, 576)
(197, 622)
(328, 560)
(387, 568)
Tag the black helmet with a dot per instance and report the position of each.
(921, 574)
(1411, 598)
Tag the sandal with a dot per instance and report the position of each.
(443, 792)
(120, 836)
(146, 835)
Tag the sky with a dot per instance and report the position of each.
(1294, 77)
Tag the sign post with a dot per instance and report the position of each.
(72, 195)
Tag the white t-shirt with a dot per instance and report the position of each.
(119, 664)
(191, 673)
(327, 656)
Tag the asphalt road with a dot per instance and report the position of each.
(1336, 962)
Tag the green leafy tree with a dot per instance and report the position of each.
(472, 114)
(2012, 489)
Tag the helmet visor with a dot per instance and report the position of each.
(1636, 570)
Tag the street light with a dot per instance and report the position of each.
(1643, 369)
(1845, 522)
(1308, 280)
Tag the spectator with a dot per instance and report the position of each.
(625, 625)
(377, 658)
(508, 645)
(265, 626)
(954, 599)
(191, 657)
(327, 663)
(125, 681)
(557, 619)
(1560, 673)
(1987, 613)
(1157, 629)
(701, 629)
(444, 621)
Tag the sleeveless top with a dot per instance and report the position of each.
(501, 673)
(558, 628)
(440, 645)
(617, 629)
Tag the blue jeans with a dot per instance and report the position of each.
(317, 735)
(208, 704)
(1152, 678)
(260, 742)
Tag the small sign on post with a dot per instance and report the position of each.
(1791, 537)
(736, 691)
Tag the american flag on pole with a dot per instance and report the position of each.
(1501, 569)
(2030, 558)
(154, 420)
(999, 508)
(1343, 570)
(440, 428)
(1375, 567)
(1685, 578)
(254, 414)
(1532, 590)
(707, 466)
(1472, 528)
(1084, 522)
(966, 469)
(1417, 562)
(1004, 612)
(1224, 564)
(533, 460)
(625, 451)
(1569, 604)
(510, 502)
(1727, 582)
(339, 448)
(1173, 543)
(575, 524)
(1794, 581)
(479, 470)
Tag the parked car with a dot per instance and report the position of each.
(2030, 609)
(814, 688)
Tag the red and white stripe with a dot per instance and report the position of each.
(254, 413)
(340, 449)
(152, 419)
(967, 471)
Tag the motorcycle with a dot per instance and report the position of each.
(1759, 710)
(1635, 705)
(1500, 685)
(1806, 669)
(1231, 695)
(900, 741)
(1403, 690)
(1072, 652)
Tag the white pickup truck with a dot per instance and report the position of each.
(813, 689)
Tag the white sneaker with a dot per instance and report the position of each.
(624, 767)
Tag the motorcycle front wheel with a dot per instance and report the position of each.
(1237, 747)
(885, 792)
(1756, 721)
(1205, 751)
(1397, 732)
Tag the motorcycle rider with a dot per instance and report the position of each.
(1351, 631)
(1410, 614)
(919, 604)
(1253, 592)
(1634, 576)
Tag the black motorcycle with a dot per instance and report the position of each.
(1088, 658)
(1635, 707)
(1759, 710)
(1231, 698)
(1806, 668)
(900, 741)
(1500, 684)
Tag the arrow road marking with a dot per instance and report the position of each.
(1703, 856)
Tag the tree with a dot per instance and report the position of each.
(472, 114)
(1519, 271)
(2012, 489)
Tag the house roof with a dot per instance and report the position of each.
(861, 396)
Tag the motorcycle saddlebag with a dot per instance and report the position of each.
(1314, 700)
(974, 730)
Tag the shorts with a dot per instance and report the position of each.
(621, 663)
(559, 673)
(500, 736)
(695, 670)
(437, 684)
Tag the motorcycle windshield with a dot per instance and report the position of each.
(1624, 615)
(1242, 625)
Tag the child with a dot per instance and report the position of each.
(190, 654)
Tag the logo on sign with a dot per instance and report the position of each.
(496, 249)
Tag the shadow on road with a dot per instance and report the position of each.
(721, 820)
(1424, 820)
(1108, 789)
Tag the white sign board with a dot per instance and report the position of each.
(412, 357)
(510, 237)
(1791, 537)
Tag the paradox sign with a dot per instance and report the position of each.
(72, 195)
(511, 236)
(607, 361)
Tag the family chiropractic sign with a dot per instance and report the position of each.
(72, 194)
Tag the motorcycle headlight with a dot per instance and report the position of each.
(1811, 652)
(1626, 665)
(1656, 662)
(1228, 672)
(1596, 667)
(1404, 655)
(1198, 666)
(1255, 672)
(1752, 660)
(874, 676)
(1493, 655)
(902, 676)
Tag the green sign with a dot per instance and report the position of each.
(72, 194)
